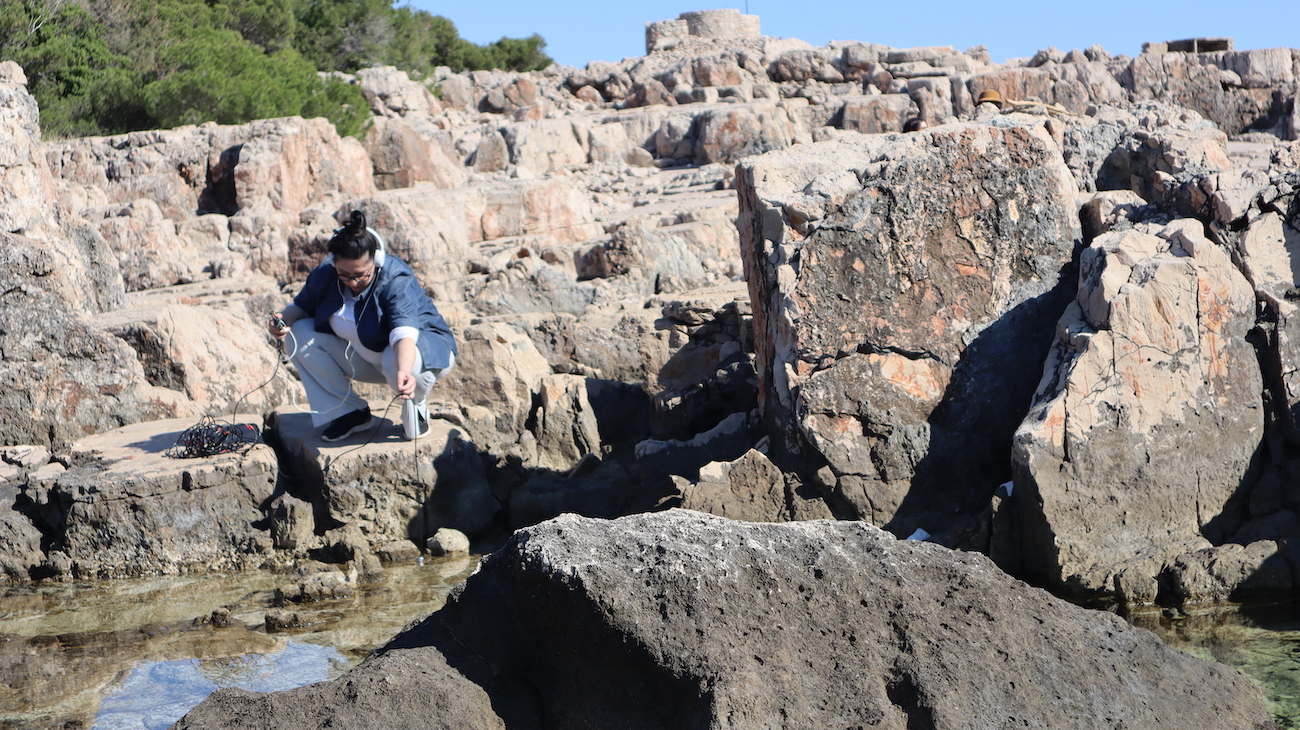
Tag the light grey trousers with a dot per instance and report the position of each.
(328, 364)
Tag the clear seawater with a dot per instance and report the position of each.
(140, 653)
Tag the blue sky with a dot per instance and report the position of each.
(579, 31)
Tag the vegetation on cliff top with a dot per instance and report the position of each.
(113, 66)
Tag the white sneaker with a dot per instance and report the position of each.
(415, 420)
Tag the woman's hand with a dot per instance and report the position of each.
(406, 352)
(276, 325)
(405, 384)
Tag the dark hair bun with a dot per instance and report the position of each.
(353, 240)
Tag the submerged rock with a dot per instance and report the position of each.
(681, 619)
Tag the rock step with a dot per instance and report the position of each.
(124, 508)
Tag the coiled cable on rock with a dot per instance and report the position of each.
(210, 437)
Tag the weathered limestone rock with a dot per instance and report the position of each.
(1232, 89)
(150, 254)
(492, 153)
(620, 343)
(28, 202)
(565, 423)
(169, 167)
(125, 509)
(392, 93)
(902, 287)
(63, 379)
(1231, 572)
(647, 620)
(805, 65)
(1270, 250)
(1014, 83)
(751, 489)
(507, 370)
(405, 152)
(379, 486)
(545, 145)
(207, 341)
(1148, 416)
(26, 187)
(434, 230)
(1108, 210)
(880, 113)
(1077, 85)
(268, 172)
(447, 541)
(728, 134)
(285, 165)
(608, 143)
(457, 91)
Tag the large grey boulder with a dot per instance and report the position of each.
(680, 619)
(904, 290)
(1148, 417)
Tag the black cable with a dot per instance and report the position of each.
(274, 371)
(373, 430)
(210, 437)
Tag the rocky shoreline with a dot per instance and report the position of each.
(684, 619)
(1057, 330)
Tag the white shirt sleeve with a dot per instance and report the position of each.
(403, 333)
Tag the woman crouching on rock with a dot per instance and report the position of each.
(362, 315)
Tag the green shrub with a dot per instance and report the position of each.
(112, 66)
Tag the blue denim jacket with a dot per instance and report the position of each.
(394, 299)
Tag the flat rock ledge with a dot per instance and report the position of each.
(121, 508)
(682, 619)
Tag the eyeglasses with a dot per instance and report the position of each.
(354, 277)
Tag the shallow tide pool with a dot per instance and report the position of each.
(140, 653)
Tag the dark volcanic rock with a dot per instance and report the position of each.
(680, 619)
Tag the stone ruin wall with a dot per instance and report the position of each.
(719, 24)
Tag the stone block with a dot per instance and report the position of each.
(126, 509)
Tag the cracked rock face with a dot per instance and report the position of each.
(1146, 422)
(680, 619)
(903, 290)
